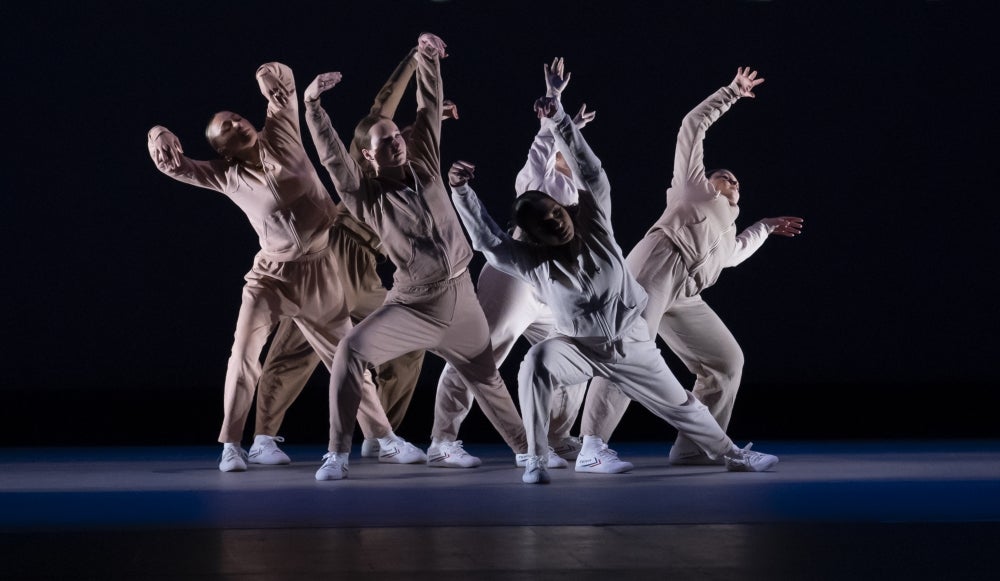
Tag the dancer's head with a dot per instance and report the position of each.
(380, 142)
(543, 220)
(725, 183)
(231, 135)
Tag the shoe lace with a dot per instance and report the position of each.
(455, 448)
(229, 452)
(605, 452)
(745, 454)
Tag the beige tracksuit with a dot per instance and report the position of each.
(290, 359)
(681, 255)
(295, 273)
(432, 304)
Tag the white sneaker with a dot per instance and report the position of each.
(568, 447)
(370, 448)
(554, 460)
(535, 470)
(746, 460)
(265, 451)
(333, 468)
(401, 452)
(450, 455)
(234, 458)
(599, 459)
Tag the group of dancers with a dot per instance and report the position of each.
(559, 279)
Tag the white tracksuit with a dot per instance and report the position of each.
(681, 255)
(597, 306)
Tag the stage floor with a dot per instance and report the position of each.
(829, 510)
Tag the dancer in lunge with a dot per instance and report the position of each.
(578, 269)
(269, 176)
(683, 254)
(291, 360)
(432, 304)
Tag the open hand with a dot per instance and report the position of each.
(322, 83)
(556, 78)
(746, 80)
(583, 117)
(785, 225)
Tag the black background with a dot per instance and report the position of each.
(877, 124)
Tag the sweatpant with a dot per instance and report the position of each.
(512, 309)
(291, 360)
(689, 327)
(639, 372)
(444, 318)
(308, 292)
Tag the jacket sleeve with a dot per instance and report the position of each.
(748, 242)
(501, 251)
(282, 118)
(388, 98)
(425, 140)
(343, 169)
(206, 174)
(689, 154)
(539, 171)
(582, 161)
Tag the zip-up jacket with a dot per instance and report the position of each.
(585, 282)
(419, 229)
(699, 221)
(282, 196)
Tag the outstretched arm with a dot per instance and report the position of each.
(425, 140)
(751, 239)
(689, 154)
(343, 169)
(582, 161)
(541, 171)
(500, 249)
(166, 152)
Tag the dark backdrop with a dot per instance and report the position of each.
(876, 123)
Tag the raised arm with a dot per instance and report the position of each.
(166, 152)
(425, 140)
(500, 250)
(582, 161)
(689, 154)
(343, 169)
(277, 84)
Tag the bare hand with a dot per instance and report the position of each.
(545, 107)
(556, 78)
(322, 83)
(583, 117)
(460, 173)
(432, 46)
(746, 80)
(166, 151)
(785, 225)
(449, 110)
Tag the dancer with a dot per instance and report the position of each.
(269, 176)
(577, 268)
(432, 304)
(512, 307)
(291, 360)
(682, 255)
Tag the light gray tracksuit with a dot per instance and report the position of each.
(597, 305)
